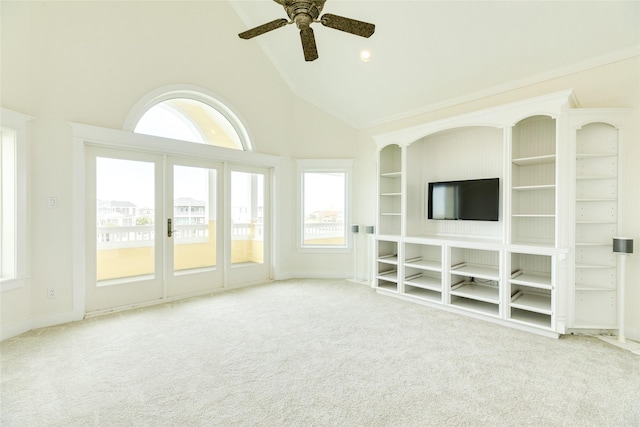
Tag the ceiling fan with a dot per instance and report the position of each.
(303, 14)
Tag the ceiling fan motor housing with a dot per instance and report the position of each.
(303, 13)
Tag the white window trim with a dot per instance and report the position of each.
(17, 123)
(324, 165)
(196, 93)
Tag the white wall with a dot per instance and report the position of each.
(612, 85)
(90, 62)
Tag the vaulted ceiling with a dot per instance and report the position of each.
(431, 54)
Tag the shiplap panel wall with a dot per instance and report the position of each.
(463, 153)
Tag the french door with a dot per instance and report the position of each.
(248, 219)
(163, 226)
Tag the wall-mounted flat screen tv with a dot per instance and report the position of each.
(472, 200)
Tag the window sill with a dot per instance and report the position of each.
(325, 250)
(13, 283)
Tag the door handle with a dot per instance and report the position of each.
(169, 229)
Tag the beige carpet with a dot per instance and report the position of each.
(310, 353)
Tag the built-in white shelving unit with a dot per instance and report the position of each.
(531, 287)
(475, 278)
(533, 181)
(390, 190)
(597, 142)
(423, 271)
(546, 265)
(387, 265)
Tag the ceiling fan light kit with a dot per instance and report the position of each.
(305, 13)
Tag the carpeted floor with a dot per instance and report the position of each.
(310, 353)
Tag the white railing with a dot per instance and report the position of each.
(125, 237)
(323, 230)
(144, 235)
(247, 231)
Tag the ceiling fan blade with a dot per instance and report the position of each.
(264, 28)
(308, 44)
(348, 25)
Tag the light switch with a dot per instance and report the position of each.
(52, 203)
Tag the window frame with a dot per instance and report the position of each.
(320, 166)
(14, 126)
(195, 93)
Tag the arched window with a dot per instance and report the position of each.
(190, 115)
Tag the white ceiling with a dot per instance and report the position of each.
(430, 54)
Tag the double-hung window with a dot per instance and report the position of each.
(324, 208)
(13, 203)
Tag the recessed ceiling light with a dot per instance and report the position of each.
(365, 55)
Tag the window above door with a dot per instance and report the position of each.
(191, 114)
(189, 120)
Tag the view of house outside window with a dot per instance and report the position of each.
(324, 208)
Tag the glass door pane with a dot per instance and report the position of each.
(247, 218)
(194, 218)
(124, 228)
(125, 236)
(194, 240)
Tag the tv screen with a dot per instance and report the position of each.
(472, 200)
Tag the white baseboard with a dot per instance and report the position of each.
(20, 327)
(318, 275)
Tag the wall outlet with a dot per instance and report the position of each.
(51, 292)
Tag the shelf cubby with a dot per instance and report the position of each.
(596, 217)
(390, 190)
(475, 280)
(386, 273)
(595, 309)
(533, 230)
(535, 302)
(475, 305)
(422, 269)
(475, 263)
(423, 284)
(533, 181)
(423, 256)
(531, 318)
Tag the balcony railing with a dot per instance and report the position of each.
(144, 235)
(323, 230)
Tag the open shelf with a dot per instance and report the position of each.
(390, 190)
(535, 160)
(596, 165)
(538, 303)
(477, 292)
(389, 276)
(424, 264)
(531, 318)
(534, 187)
(393, 175)
(424, 282)
(477, 306)
(593, 288)
(387, 286)
(389, 259)
(474, 270)
(532, 279)
(533, 181)
(427, 294)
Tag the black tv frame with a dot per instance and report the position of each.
(476, 199)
